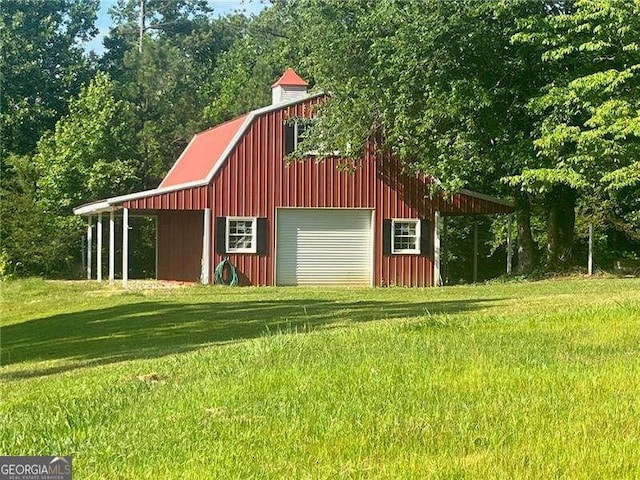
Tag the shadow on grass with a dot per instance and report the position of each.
(152, 329)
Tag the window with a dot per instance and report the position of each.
(294, 132)
(241, 235)
(405, 237)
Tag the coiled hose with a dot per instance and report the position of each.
(232, 275)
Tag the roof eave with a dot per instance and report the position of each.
(100, 206)
(488, 198)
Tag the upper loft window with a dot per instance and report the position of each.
(405, 237)
(294, 133)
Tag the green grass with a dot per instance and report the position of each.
(521, 380)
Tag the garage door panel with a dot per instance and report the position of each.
(323, 247)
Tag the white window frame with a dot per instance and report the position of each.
(254, 235)
(405, 251)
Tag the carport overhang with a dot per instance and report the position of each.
(122, 206)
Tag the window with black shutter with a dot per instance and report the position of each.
(241, 235)
(404, 236)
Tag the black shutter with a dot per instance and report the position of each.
(289, 138)
(221, 235)
(386, 237)
(425, 237)
(261, 247)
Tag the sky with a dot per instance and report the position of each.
(222, 7)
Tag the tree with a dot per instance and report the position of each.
(41, 67)
(261, 52)
(92, 152)
(167, 79)
(442, 83)
(589, 135)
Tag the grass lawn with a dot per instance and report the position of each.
(522, 380)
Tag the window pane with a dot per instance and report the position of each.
(405, 235)
(240, 234)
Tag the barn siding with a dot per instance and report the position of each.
(256, 180)
(179, 245)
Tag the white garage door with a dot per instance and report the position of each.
(324, 247)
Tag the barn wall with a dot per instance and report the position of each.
(256, 180)
(179, 245)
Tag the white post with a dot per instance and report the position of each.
(206, 248)
(112, 247)
(89, 242)
(125, 247)
(437, 278)
(99, 248)
(156, 247)
(509, 246)
(475, 252)
(590, 260)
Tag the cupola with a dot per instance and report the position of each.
(288, 87)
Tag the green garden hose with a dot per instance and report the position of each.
(232, 277)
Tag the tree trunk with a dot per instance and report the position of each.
(526, 245)
(561, 220)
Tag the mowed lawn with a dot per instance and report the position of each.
(521, 380)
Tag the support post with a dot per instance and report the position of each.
(112, 247)
(206, 248)
(125, 247)
(590, 259)
(475, 252)
(509, 247)
(156, 247)
(99, 248)
(437, 277)
(89, 242)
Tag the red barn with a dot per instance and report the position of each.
(232, 194)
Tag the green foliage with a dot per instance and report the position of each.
(41, 67)
(35, 241)
(590, 129)
(168, 79)
(440, 81)
(242, 76)
(92, 152)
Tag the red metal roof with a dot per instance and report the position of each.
(204, 151)
(290, 78)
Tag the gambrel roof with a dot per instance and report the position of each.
(209, 150)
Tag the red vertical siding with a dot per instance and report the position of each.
(179, 245)
(256, 180)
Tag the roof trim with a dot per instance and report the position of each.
(481, 196)
(109, 203)
(95, 207)
(488, 198)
